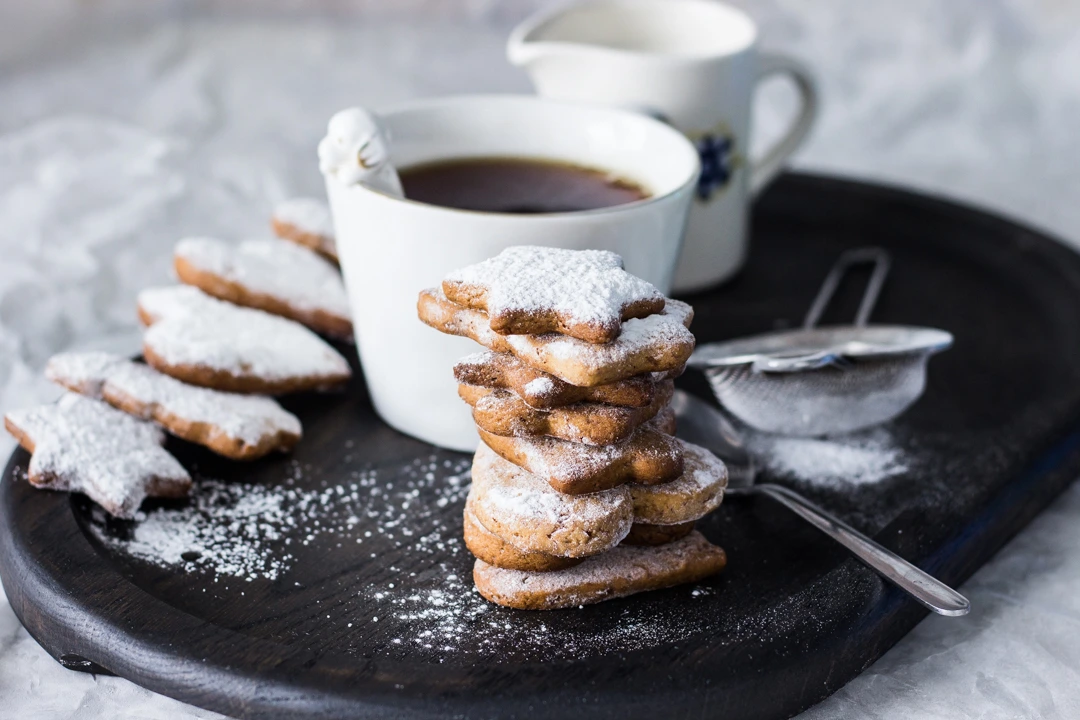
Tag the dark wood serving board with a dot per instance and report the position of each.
(364, 523)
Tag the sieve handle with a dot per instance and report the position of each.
(925, 588)
(881, 260)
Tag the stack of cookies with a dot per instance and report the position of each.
(580, 492)
(243, 325)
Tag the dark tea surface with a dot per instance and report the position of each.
(516, 185)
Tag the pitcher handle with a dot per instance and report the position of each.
(764, 169)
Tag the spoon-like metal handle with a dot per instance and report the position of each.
(929, 591)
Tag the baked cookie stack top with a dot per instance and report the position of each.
(580, 492)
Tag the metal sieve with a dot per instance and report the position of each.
(824, 380)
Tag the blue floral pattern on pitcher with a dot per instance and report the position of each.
(717, 163)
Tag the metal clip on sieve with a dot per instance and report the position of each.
(824, 380)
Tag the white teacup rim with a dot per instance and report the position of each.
(439, 101)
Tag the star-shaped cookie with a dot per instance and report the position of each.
(503, 412)
(541, 390)
(529, 290)
(649, 456)
(84, 445)
(658, 343)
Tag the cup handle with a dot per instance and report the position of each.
(766, 168)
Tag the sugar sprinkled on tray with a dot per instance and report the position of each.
(858, 459)
(238, 529)
(232, 536)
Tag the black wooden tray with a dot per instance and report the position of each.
(792, 619)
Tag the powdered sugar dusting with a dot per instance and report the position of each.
(308, 215)
(84, 372)
(286, 271)
(660, 342)
(247, 418)
(541, 390)
(568, 461)
(691, 496)
(477, 358)
(245, 531)
(235, 537)
(640, 338)
(631, 563)
(541, 519)
(552, 457)
(857, 459)
(227, 529)
(520, 495)
(84, 445)
(191, 328)
(540, 387)
(584, 286)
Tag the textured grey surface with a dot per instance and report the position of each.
(124, 127)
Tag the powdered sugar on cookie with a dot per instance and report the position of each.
(306, 221)
(204, 341)
(272, 275)
(83, 445)
(640, 336)
(621, 571)
(540, 387)
(84, 372)
(544, 391)
(526, 512)
(691, 496)
(583, 293)
(517, 492)
(242, 427)
(650, 455)
(658, 343)
(503, 412)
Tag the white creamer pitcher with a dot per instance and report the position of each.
(692, 63)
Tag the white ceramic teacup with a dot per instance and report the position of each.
(391, 247)
(694, 63)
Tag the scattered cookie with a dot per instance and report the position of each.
(693, 495)
(204, 341)
(650, 455)
(307, 222)
(524, 511)
(657, 343)
(504, 413)
(493, 550)
(622, 571)
(585, 294)
(84, 445)
(241, 427)
(503, 371)
(645, 534)
(272, 275)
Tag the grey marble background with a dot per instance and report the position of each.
(126, 125)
